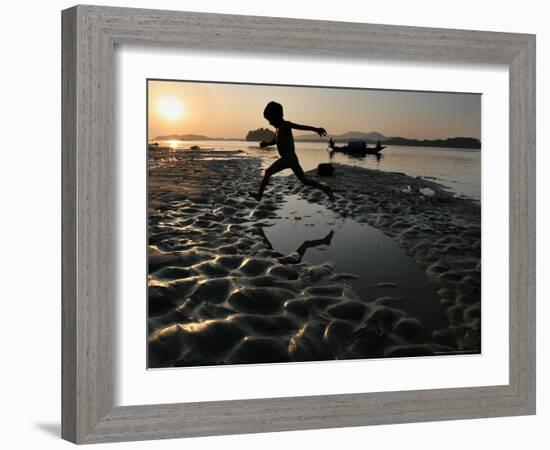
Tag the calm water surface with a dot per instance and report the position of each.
(384, 270)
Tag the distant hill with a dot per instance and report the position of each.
(260, 134)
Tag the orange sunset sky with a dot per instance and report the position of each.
(231, 110)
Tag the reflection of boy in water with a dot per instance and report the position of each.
(285, 146)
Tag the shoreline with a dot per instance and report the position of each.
(315, 141)
(456, 169)
(209, 268)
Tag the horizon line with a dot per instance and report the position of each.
(231, 138)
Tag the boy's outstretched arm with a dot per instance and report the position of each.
(320, 131)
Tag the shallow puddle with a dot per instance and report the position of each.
(383, 269)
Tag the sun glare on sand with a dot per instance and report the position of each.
(170, 108)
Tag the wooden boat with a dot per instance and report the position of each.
(356, 148)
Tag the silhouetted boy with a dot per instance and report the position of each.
(284, 140)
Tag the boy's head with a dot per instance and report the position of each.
(273, 113)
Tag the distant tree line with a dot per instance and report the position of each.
(265, 134)
(457, 142)
(261, 134)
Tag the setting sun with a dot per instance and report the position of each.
(170, 108)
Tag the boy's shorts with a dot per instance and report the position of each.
(287, 162)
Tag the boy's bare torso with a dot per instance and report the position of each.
(285, 140)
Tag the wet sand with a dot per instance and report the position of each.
(220, 294)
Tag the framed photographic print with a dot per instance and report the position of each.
(264, 229)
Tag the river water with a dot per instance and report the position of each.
(457, 169)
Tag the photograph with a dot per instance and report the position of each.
(291, 224)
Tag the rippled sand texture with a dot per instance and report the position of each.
(218, 294)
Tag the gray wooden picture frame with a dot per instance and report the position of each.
(90, 34)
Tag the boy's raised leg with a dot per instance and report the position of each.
(277, 166)
(299, 172)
